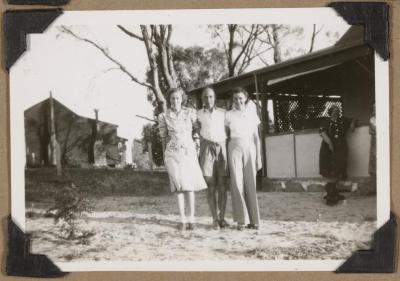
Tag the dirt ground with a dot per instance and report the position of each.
(133, 228)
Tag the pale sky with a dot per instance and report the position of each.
(81, 78)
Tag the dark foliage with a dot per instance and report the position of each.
(69, 204)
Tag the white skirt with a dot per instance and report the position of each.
(184, 169)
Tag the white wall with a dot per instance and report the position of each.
(359, 145)
(297, 155)
(280, 156)
(307, 154)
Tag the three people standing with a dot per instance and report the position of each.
(237, 127)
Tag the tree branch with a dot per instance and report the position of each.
(130, 33)
(251, 36)
(313, 36)
(222, 40)
(105, 53)
(264, 61)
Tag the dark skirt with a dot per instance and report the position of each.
(372, 156)
(333, 164)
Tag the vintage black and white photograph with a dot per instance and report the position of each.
(199, 140)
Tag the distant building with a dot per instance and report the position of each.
(83, 141)
(140, 158)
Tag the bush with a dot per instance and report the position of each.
(69, 204)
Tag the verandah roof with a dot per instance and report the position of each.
(319, 69)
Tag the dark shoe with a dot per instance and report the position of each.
(216, 225)
(190, 226)
(181, 226)
(252, 226)
(340, 197)
(240, 227)
(331, 196)
(223, 224)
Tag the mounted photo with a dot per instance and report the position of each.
(200, 140)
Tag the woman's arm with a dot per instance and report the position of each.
(258, 149)
(195, 121)
(326, 139)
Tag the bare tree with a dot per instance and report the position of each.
(240, 45)
(156, 39)
(272, 36)
(278, 36)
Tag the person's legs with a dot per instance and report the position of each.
(190, 199)
(222, 171)
(222, 198)
(236, 170)
(211, 197)
(207, 164)
(249, 172)
(181, 206)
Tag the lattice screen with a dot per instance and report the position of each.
(292, 114)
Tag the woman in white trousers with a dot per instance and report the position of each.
(244, 158)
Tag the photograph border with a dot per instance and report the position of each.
(382, 148)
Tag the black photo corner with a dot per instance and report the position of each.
(20, 262)
(373, 15)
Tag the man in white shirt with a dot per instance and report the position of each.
(212, 158)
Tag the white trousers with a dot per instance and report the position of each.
(242, 166)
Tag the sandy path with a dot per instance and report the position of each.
(294, 226)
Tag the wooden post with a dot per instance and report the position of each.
(262, 130)
(150, 150)
(54, 145)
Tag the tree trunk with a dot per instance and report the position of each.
(54, 145)
(231, 67)
(171, 67)
(154, 68)
(162, 43)
(277, 47)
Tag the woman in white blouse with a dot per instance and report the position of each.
(244, 158)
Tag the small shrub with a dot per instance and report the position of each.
(69, 204)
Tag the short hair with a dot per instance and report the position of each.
(238, 90)
(169, 92)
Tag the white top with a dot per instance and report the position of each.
(212, 124)
(242, 124)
